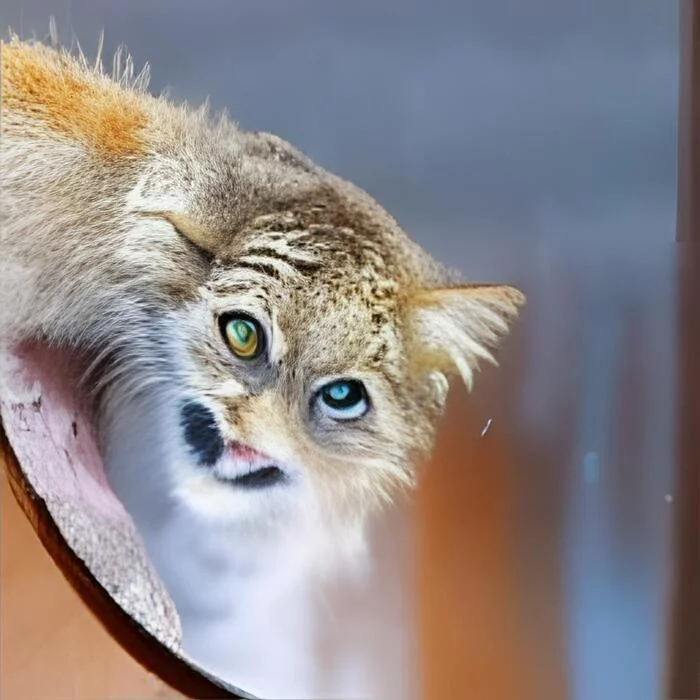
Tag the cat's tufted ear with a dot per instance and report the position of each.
(452, 328)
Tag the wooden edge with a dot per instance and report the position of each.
(683, 671)
(150, 653)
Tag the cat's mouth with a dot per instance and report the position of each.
(257, 478)
(230, 461)
(242, 466)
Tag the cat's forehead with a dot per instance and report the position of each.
(284, 257)
(331, 297)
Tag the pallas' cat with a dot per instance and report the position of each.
(269, 352)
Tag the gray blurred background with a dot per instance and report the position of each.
(472, 121)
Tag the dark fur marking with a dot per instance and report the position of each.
(201, 433)
(264, 268)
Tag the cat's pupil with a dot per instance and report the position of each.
(339, 392)
(243, 337)
(343, 394)
(243, 330)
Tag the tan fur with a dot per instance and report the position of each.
(455, 326)
(87, 107)
(130, 224)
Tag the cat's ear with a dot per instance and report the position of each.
(452, 328)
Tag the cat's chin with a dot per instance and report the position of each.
(292, 515)
(212, 499)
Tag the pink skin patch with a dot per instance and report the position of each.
(49, 424)
(246, 467)
(242, 452)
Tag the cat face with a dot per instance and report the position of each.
(314, 367)
(294, 389)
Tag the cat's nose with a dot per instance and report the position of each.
(201, 433)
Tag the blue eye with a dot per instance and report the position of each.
(344, 399)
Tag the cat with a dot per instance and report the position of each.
(269, 351)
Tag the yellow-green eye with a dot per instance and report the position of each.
(244, 336)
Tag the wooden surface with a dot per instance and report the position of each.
(51, 646)
(684, 665)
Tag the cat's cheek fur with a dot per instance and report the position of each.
(150, 465)
(153, 473)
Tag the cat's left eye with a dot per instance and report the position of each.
(343, 399)
(243, 335)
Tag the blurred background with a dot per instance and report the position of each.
(472, 121)
(530, 142)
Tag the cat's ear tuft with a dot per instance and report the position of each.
(453, 328)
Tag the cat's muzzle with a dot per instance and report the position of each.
(231, 462)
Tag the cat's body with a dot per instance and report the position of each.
(269, 349)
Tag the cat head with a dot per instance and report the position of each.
(316, 355)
